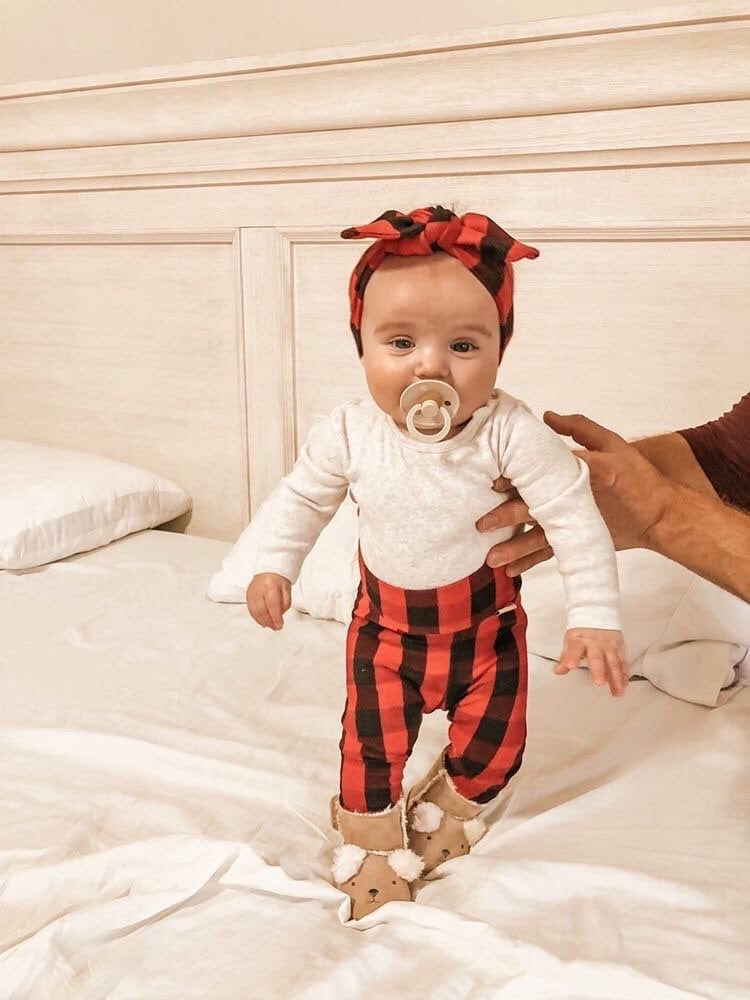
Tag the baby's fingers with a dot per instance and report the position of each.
(571, 657)
(598, 667)
(275, 608)
(259, 612)
(618, 672)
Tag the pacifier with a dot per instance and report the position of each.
(430, 406)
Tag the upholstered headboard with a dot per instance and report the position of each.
(174, 287)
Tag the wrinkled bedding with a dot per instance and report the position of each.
(166, 770)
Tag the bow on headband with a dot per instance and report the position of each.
(474, 240)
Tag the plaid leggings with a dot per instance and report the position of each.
(461, 648)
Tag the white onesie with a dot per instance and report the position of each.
(419, 501)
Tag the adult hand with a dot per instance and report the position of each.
(524, 550)
(630, 492)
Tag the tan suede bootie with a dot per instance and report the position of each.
(441, 823)
(374, 865)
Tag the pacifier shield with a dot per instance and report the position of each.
(430, 406)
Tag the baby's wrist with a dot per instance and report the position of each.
(609, 621)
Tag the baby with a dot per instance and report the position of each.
(433, 626)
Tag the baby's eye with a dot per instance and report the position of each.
(463, 347)
(402, 343)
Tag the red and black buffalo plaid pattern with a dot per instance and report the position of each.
(474, 240)
(461, 648)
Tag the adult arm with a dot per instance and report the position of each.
(652, 494)
(708, 537)
(674, 458)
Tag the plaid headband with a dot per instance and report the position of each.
(474, 240)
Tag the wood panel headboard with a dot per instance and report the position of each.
(174, 287)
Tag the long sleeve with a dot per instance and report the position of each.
(305, 500)
(555, 486)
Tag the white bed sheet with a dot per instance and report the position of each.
(166, 770)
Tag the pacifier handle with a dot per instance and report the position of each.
(420, 435)
(429, 402)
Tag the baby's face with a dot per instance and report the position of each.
(429, 317)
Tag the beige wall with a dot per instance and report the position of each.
(48, 39)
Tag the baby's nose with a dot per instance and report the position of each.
(432, 365)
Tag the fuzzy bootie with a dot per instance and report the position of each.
(441, 823)
(374, 864)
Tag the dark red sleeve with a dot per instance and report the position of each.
(722, 448)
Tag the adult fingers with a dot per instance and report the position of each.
(516, 548)
(525, 564)
(505, 515)
(583, 431)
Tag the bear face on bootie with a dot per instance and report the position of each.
(374, 865)
(436, 836)
(441, 824)
(370, 880)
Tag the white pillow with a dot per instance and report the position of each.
(328, 581)
(55, 502)
(685, 635)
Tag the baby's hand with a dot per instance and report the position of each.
(604, 651)
(268, 597)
